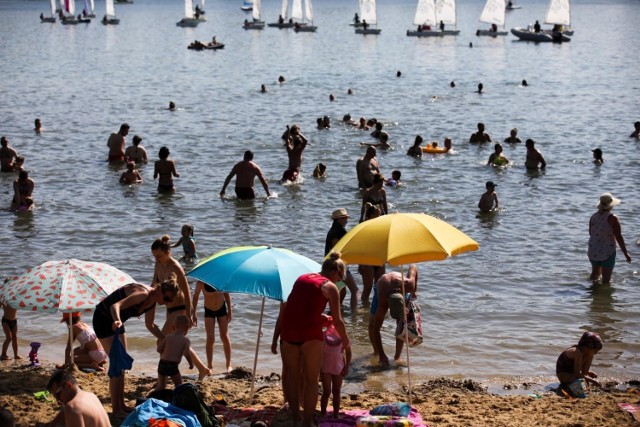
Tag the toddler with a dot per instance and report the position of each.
(188, 243)
(334, 368)
(172, 348)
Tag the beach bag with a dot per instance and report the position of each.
(187, 396)
(414, 324)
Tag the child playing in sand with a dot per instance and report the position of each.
(217, 306)
(172, 349)
(10, 328)
(131, 175)
(188, 243)
(489, 200)
(574, 363)
(333, 369)
(90, 354)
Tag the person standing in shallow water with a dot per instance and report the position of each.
(245, 172)
(604, 232)
(116, 143)
(166, 170)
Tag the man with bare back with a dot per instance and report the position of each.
(245, 172)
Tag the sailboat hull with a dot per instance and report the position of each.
(372, 31)
(281, 25)
(253, 25)
(432, 33)
(541, 37)
(188, 23)
(305, 29)
(491, 33)
(50, 20)
(112, 21)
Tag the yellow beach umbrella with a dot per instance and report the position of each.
(403, 238)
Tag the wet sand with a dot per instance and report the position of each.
(441, 402)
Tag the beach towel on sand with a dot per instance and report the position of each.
(633, 410)
(158, 409)
(349, 418)
(119, 359)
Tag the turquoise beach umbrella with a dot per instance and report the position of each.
(255, 270)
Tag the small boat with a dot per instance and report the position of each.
(247, 5)
(69, 7)
(110, 17)
(511, 6)
(256, 23)
(189, 20)
(368, 17)
(430, 14)
(124, 1)
(304, 25)
(282, 18)
(558, 15)
(493, 13)
(82, 20)
(89, 9)
(51, 18)
(212, 45)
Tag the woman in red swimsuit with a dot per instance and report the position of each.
(302, 338)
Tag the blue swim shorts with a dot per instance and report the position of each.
(608, 263)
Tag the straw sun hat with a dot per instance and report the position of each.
(607, 202)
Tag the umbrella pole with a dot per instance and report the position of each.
(255, 359)
(71, 340)
(406, 333)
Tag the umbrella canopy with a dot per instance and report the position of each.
(255, 270)
(70, 285)
(402, 238)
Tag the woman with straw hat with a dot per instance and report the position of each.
(604, 232)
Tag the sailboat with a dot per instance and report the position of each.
(51, 18)
(200, 8)
(282, 19)
(368, 17)
(89, 9)
(189, 20)
(511, 6)
(256, 23)
(247, 5)
(305, 25)
(70, 7)
(558, 15)
(493, 13)
(110, 17)
(430, 14)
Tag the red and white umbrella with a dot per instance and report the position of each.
(70, 285)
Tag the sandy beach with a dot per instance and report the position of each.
(440, 402)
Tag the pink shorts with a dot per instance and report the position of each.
(333, 362)
(98, 356)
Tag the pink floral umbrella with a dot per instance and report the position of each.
(69, 286)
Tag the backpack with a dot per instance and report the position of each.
(187, 396)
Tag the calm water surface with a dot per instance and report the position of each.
(505, 310)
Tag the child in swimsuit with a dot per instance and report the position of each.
(172, 349)
(217, 307)
(575, 362)
(188, 243)
(332, 368)
(90, 354)
(10, 328)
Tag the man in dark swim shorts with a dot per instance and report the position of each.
(245, 172)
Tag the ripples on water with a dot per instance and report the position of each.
(507, 309)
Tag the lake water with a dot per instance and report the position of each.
(506, 310)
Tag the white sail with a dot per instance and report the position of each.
(53, 7)
(111, 10)
(493, 12)
(283, 10)
(368, 11)
(202, 4)
(559, 13)
(296, 10)
(425, 13)
(63, 5)
(92, 6)
(256, 10)
(446, 11)
(188, 9)
(308, 12)
(70, 7)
